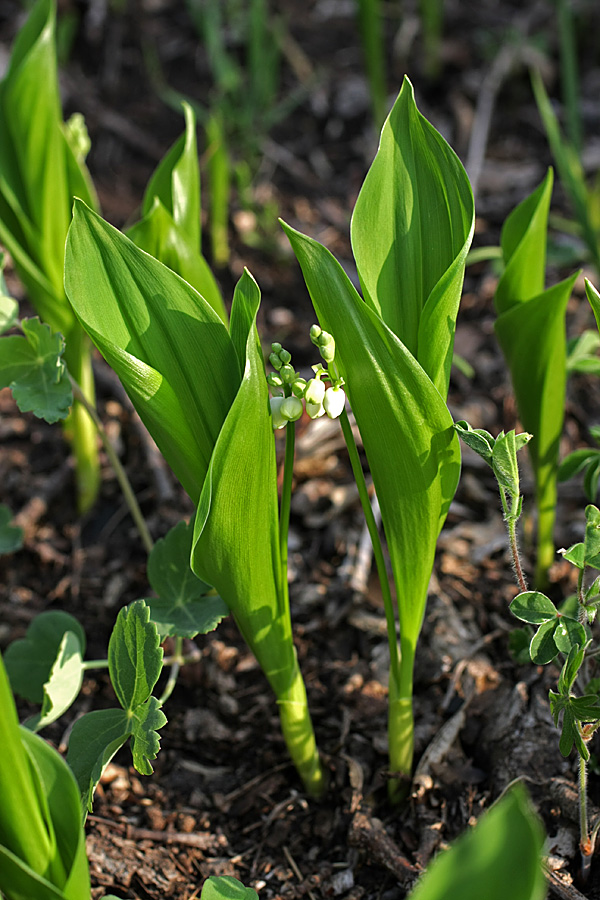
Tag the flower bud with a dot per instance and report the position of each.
(274, 380)
(278, 420)
(298, 387)
(327, 346)
(315, 391)
(276, 348)
(275, 361)
(285, 356)
(315, 410)
(334, 402)
(287, 374)
(291, 409)
(315, 333)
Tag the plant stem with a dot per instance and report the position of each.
(363, 493)
(286, 500)
(585, 845)
(511, 517)
(177, 661)
(546, 506)
(78, 426)
(119, 471)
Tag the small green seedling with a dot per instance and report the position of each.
(559, 634)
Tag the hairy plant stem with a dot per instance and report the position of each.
(585, 844)
(118, 469)
(296, 724)
(400, 711)
(511, 517)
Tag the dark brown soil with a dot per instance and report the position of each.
(224, 798)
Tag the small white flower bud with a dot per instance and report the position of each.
(315, 333)
(291, 409)
(287, 373)
(278, 420)
(315, 391)
(298, 387)
(315, 410)
(334, 402)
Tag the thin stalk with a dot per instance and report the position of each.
(296, 724)
(177, 662)
(569, 74)
(371, 32)
(585, 844)
(119, 471)
(79, 427)
(546, 499)
(511, 518)
(363, 493)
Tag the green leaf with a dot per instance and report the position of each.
(134, 655)
(504, 460)
(590, 479)
(146, 720)
(29, 660)
(94, 740)
(184, 606)
(594, 300)
(575, 555)
(500, 858)
(519, 640)
(591, 543)
(63, 685)
(396, 406)
(571, 668)
(586, 708)
(569, 633)
(11, 536)
(167, 345)
(477, 439)
(533, 607)
(543, 648)
(32, 366)
(223, 887)
(235, 545)
(576, 461)
(411, 230)
(581, 352)
(9, 310)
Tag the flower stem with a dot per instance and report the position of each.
(176, 663)
(119, 471)
(511, 517)
(286, 499)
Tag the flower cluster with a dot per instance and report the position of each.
(318, 399)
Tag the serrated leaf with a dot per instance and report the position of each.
(9, 311)
(31, 366)
(533, 607)
(183, 606)
(223, 887)
(11, 536)
(146, 720)
(543, 648)
(94, 740)
(134, 655)
(63, 685)
(500, 858)
(29, 660)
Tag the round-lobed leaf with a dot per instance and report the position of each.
(533, 607)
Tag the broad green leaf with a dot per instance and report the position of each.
(570, 669)
(183, 606)
(411, 230)
(543, 647)
(500, 858)
(235, 544)
(406, 429)
(168, 346)
(94, 740)
(575, 555)
(9, 310)
(594, 300)
(146, 720)
(223, 887)
(31, 366)
(533, 607)
(29, 660)
(63, 685)
(159, 235)
(11, 536)
(134, 655)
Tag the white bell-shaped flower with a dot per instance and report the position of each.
(334, 401)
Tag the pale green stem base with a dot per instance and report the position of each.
(299, 736)
(401, 725)
(546, 553)
(79, 427)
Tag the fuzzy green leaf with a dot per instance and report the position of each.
(500, 858)
(411, 230)
(29, 660)
(533, 607)
(134, 655)
(184, 606)
(31, 365)
(167, 345)
(477, 439)
(11, 536)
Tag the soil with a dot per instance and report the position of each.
(224, 798)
